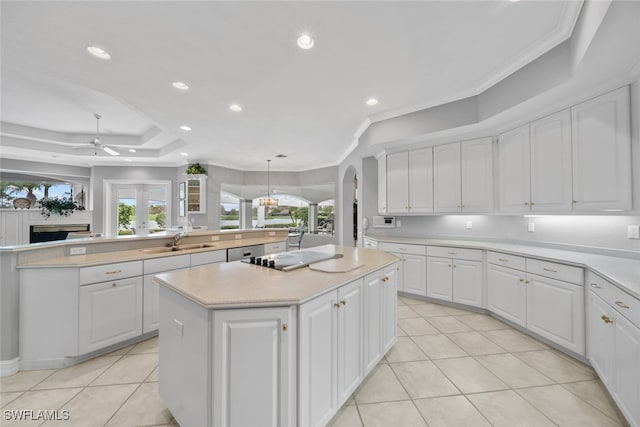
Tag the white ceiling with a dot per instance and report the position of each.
(308, 105)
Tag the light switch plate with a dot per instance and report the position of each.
(469, 225)
(238, 236)
(633, 231)
(78, 251)
(215, 238)
(531, 227)
(398, 223)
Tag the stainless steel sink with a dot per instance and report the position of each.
(164, 249)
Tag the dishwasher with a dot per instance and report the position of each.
(236, 254)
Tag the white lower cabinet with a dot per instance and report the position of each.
(331, 362)
(613, 344)
(110, 312)
(254, 378)
(507, 293)
(380, 295)
(411, 276)
(452, 279)
(555, 310)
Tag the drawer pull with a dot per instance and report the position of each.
(621, 304)
(595, 286)
(522, 280)
(402, 249)
(385, 278)
(113, 272)
(550, 270)
(285, 326)
(337, 305)
(503, 259)
(113, 285)
(606, 319)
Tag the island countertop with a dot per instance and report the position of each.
(237, 284)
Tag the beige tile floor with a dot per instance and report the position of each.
(449, 367)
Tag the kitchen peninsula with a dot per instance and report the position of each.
(67, 301)
(246, 345)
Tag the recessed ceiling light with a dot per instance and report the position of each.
(184, 154)
(372, 101)
(514, 1)
(128, 160)
(132, 150)
(281, 156)
(235, 107)
(185, 128)
(98, 52)
(305, 41)
(180, 85)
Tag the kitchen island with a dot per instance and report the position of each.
(244, 345)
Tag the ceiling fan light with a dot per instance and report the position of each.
(98, 52)
(132, 150)
(110, 151)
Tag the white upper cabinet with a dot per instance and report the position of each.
(514, 160)
(382, 183)
(446, 178)
(477, 175)
(551, 163)
(602, 152)
(398, 182)
(421, 180)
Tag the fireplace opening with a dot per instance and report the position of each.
(51, 232)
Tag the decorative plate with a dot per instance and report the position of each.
(21, 203)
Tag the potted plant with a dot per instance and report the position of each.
(196, 169)
(62, 207)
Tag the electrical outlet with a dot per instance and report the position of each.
(215, 238)
(531, 227)
(272, 233)
(469, 225)
(398, 223)
(238, 236)
(78, 251)
(633, 231)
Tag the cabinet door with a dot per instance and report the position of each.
(400, 272)
(11, 229)
(110, 312)
(350, 339)
(254, 367)
(373, 321)
(421, 180)
(602, 152)
(446, 178)
(627, 368)
(398, 182)
(389, 305)
(439, 278)
(382, 184)
(476, 168)
(467, 282)
(150, 304)
(415, 274)
(196, 194)
(514, 173)
(551, 189)
(507, 293)
(600, 346)
(555, 310)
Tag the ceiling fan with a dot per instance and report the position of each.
(96, 143)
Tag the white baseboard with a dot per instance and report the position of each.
(9, 367)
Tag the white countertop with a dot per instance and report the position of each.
(238, 284)
(623, 272)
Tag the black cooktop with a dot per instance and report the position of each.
(291, 260)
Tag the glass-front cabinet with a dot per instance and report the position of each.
(196, 193)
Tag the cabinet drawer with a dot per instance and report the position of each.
(274, 248)
(511, 261)
(370, 243)
(625, 304)
(457, 253)
(101, 273)
(599, 286)
(210, 257)
(167, 263)
(556, 271)
(402, 248)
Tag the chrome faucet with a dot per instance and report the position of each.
(178, 236)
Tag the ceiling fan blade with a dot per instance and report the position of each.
(110, 151)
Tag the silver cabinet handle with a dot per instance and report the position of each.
(549, 270)
(503, 259)
(595, 286)
(113, 272)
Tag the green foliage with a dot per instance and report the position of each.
(196, 169)
(125, 212)
(64, 207)
(161, 219)
(301, 213)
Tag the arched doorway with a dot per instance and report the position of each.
(350, 207)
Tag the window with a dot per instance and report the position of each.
(326, 216)
(229, 211)
(12, 190)
(290, 212)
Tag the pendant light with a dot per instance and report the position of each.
(268, 201)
